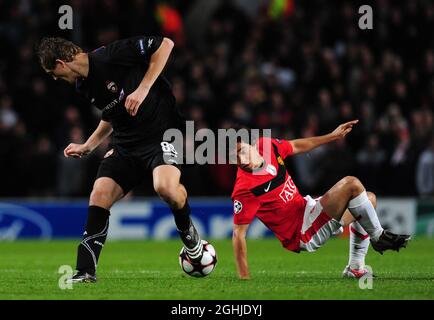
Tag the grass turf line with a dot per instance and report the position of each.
(150, 270)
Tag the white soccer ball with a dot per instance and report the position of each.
(202, 268)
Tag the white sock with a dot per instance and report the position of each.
(364, 212)
(359, 244)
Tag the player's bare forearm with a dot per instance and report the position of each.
(77, 150)
(157, 63)
(308, 144)
(240, 252)
(103, 130)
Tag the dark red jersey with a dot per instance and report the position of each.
(270, 194)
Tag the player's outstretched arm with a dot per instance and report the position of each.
(75, 150)
(156, 65)
(240, 250)
(307, 144)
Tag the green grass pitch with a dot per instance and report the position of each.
(150, 270)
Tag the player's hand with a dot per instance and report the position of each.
(345, 128)
(76, 150)
(135, 99)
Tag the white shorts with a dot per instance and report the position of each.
(317, 226)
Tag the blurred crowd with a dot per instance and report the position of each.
(301, 72)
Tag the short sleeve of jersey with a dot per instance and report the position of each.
(245, 208)
(284, 147)
(131, 51)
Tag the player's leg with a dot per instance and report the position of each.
(104, 194)
(168, 187)
(359, 243)
(116, 176)
(317, 226)
(350, 193)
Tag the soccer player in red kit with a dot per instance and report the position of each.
(264, 189)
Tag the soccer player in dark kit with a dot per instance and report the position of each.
(123, 79)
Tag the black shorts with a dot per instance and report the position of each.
(129, 170)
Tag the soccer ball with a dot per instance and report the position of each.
(204, 267)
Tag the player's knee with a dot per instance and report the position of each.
(353, 184)
(100, 197)
(373, 198)
(168, 192)
(238, 234)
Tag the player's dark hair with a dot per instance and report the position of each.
(50, 49)
(237, 127)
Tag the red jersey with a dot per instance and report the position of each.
(271, 195)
